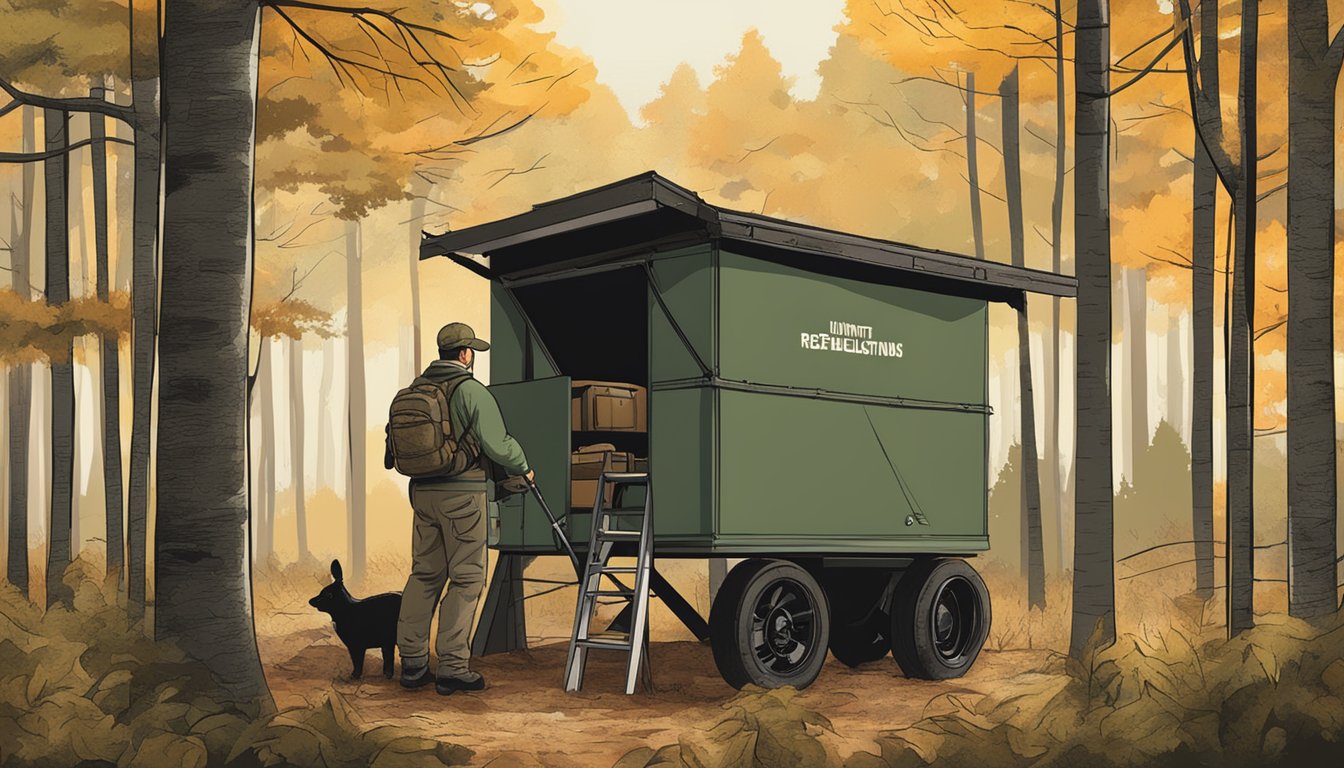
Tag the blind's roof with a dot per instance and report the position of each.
(649, 195)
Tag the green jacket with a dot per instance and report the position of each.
(473, 411)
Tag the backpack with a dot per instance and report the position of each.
(420, 433)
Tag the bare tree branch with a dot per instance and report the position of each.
(940, 81)
(536, 166)
(296, 282)
(751, 151)
(19, 97)
(1148, 69)
(34, 157)
(407, 42)
(390, 16)
(1270, 192)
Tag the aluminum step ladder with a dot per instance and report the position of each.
(614, 525)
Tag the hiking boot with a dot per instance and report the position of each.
(415, 677)
(446, 686)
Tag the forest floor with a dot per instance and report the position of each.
(78, 685)
(525, 717)
(1173, 692)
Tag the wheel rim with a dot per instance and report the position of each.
(955, 620)
(784, 628)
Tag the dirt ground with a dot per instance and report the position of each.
(526, 718)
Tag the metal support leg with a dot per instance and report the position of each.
(675, 603)
(503, 624)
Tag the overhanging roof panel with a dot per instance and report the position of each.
(647, 193)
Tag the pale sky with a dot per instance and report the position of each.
(636, 44)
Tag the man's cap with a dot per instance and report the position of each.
(455, 335)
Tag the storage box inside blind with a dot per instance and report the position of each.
(588, 462)
(609, 406)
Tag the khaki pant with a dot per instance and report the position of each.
(447, 546)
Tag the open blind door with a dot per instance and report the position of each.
(537, 415)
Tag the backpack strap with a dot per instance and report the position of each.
(468, 442)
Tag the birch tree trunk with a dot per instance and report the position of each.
(1175, 391)
(203, 595)
(1034, 563)
(326, 474)
(144, 294)
(296, 445)
(1137, 330)
(1313, 72)
(973, 169)
(419, 191)
(1241, 359)
(86, 407)
(1093, 561)
(265, 441)
(111, 370)
(1052, 448)
(56, 175)
(355, 416)
(1202, 258)
(21, 375)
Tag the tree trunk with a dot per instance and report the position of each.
(203, 594)
(1203, 237)
(144, 296)
(1093, 560)
(265, 441)
(56, 175)
(111, 370)
(356, 415)
(326, 474)
(1138, 362)
(973, 169)
(1241, 359)
(1174, 413)
(1124, 439)
(77, 217)
(296, 444)
(1052, 449)
(123, 211)
(419, 191)
(21, 375)
(1034, 563)
(1313, 71)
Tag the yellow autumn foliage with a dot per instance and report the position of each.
(291, 318)
(31, 330)
(82, 687)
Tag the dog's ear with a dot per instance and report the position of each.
(336, 569)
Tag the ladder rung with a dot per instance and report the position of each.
(606, 645)
(618, 569)
(612, 593)
(627, 478)
(618, 535)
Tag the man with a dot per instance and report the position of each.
(448, 540)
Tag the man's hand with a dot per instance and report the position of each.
(531, 476)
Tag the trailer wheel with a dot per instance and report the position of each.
(769, 625)
(939, 619)
(860, 624)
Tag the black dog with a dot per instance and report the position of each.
(361, 624)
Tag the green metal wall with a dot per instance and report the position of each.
(792, 443)
(767, 309)
(827, 459)
(682, 419)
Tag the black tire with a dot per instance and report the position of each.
(940, 617)
(769, 625)
(860, 624)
